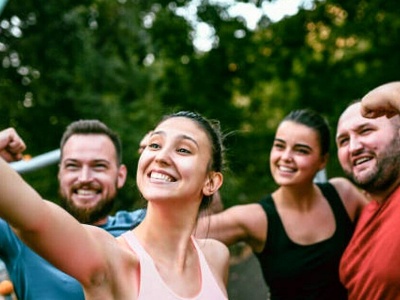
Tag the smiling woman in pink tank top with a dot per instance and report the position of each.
(178, 172)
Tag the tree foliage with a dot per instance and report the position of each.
(127, 62)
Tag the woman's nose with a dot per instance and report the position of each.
(287, 155)
(163, 156)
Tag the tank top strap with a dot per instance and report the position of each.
(276, 230)
(134, 244)
(209, 286)
(268, 205)
(202, 259)
(334, 200)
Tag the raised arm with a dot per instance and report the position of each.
(11, 145)
(382, 101)
(47, 228)
(240, 223)
(353, 198)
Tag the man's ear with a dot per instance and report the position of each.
(122, 174)
(213, 183)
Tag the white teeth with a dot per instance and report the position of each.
(85, 192)
(285, 169)
(361, 160)
(160, 176)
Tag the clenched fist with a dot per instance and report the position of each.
(11, 145)
(382, 101)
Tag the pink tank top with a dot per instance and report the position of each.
(153, 287)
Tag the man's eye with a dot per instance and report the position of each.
(100, 167)
(366, 130)
(154, 146)
(71, 166)
(343, 142)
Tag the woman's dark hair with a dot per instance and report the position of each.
(213, 130)
(315, 121)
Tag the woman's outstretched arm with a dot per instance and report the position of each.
(48, 229)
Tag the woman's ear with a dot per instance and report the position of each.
(324, 161)
(213, 183)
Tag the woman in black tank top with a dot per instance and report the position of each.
(299, 231)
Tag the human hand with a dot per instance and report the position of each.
(11, 145)
(382, 101)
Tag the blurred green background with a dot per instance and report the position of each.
(127, 62)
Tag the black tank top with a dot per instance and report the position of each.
(294, 271)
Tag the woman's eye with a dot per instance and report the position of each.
(302, 151)
(154, 146)
(183, 150)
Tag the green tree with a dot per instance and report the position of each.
(127, 62)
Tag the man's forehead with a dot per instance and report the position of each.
(89, 147)
(351, 119)
(354, 110)
(88, 141)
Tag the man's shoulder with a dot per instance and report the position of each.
(124, 220)
(3, 224)
(6, 233)
(128, 216)
(11, 247)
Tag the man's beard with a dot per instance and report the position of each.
(384, 174)
(88, 215)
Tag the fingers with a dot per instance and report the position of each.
(366, 112)
(11, 145)
(382, 101)
(16, 146)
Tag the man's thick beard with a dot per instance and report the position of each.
(88, 215)
(385, 173)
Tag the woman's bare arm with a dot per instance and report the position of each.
(353, 198)
(240, 223)
(48, 229)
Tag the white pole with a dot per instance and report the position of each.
(2, 4)
(321, 176)
(37, 162)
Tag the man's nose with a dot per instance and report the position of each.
(85, 174)
(355, 144)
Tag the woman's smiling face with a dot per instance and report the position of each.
(175, 163)
(295, 156)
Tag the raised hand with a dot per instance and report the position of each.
(382, 101)
(11, 145)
